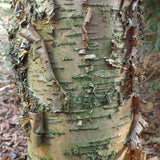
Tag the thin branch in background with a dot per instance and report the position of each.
(146, 60)
(150, 34)
(149, 76)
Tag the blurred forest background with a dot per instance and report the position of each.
(12, 141)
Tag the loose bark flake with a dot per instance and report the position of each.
(84, 2)
(134, 75)
(86, 21)
(139, 125)
(37, 128)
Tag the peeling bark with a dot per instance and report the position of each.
(78, 75)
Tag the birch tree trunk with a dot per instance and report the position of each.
(75, 72)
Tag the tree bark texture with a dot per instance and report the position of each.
(77, 74)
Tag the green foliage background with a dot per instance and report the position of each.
(152, 30)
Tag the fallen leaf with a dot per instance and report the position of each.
(12, 86)
(4, 158)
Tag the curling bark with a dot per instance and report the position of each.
(75, 63)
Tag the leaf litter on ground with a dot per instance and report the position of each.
(12, 141)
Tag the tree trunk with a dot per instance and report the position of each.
(75, 72)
